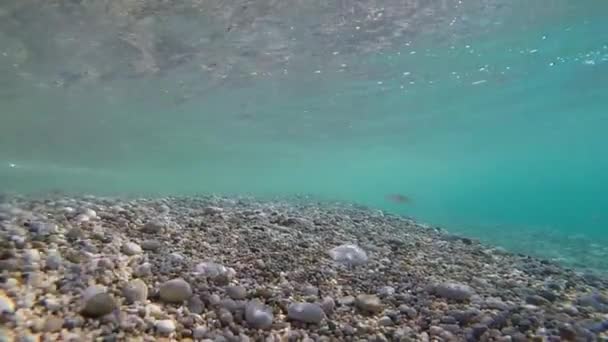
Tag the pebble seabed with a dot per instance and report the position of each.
(220, 269)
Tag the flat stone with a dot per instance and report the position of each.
(131, 248)
(175, 291)
(306, 312)
(454, 291)
(151, 245)
(385, 321)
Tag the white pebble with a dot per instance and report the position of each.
(131, 248)
(165, 326)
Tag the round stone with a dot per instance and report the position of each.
(236, 292)
(165, 326)
(175, 291)
(153, 227)
(135, 291)
(97, 302)
(306, 312)
(257, 315)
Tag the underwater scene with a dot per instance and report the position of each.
(367, 170)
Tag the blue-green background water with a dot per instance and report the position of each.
(499, 134)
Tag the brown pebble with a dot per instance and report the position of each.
(53, 324)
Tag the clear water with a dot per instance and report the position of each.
(491, 116)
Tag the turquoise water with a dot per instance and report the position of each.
(494, 127)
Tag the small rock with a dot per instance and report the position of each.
(305, 312)
(257, 315)
(349, 255)
(369, 304)
(195, 305)
(97, 302)
(537, 300)
(386, 291)
(454, 291)
(153, 227)
(42, 228)
(143, 270)
(135, 291)
(236, 292)
(225, 317)
(175, 291)
(328, 305)
(150, 245)
(385, 321)
(408, 311)
(200, 332)
(346, 300)
(53, 260)
(131, 248)
(213, 270)
(310, 290)
(165, 326)
(210, 210)
(53, 324)
(6, 303)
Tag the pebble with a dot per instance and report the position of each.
(6, 303)
(165, 326)
(349, 255)
(97, 302)
(195, 305)
(346, 300)
(53, 260)
(131, 248)
(328, 305)
(135, 291)
(175, 291)
(213, 270)
(151, 245)
(53, 324)
(257, 315)
(200, 332)
(454, 291)
(305, 312)
(143, 270)
(153, 227)
(385, 321)
(368, 304)
(537, 300)
(386, 291)
(236, 292)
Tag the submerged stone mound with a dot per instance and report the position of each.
(242, 271)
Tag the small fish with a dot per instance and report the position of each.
(397, 198)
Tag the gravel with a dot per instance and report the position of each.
(237, 269)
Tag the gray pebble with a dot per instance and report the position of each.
(305, 312)
(143, 270)
(386, 291)
(225, 317)
(200, 332)
(454, 291)
(346, 300)
(131, 248)
(195, 305)
(53, 324)
(349, 255)
(165, 326)
(328, 305)
(369, 304)
(537, 300)
(310, 290)
(153, 227)
(175, 291)
(135, 291)
(151, 245)
(236, 292)
(385, 321)
(257, 315)
(97, 302)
